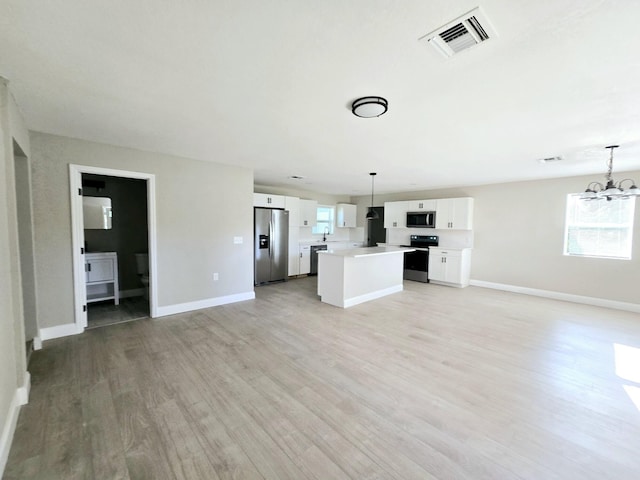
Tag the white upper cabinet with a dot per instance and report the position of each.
(454, 214)
(292, 205)
(422, 205)
(346, 215)
(308, 213)
(395, 214)
(267, 200)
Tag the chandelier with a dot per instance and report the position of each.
(598, 191)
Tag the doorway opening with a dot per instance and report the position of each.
(26, 259)
(116, 251)
(115, 256)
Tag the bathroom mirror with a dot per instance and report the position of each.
(97, 213)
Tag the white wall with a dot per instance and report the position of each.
(201, 206)
(518, 239)
(13, 376)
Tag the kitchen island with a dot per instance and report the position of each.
(350, 277)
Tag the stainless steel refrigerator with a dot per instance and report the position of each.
(271, 245)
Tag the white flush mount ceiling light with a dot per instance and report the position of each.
(598, 191)
(369, 107)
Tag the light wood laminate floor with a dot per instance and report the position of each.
(429, 383)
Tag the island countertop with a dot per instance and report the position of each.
(365, 251)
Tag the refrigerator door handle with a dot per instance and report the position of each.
(271, 230)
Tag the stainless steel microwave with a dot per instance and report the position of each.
(421, 219)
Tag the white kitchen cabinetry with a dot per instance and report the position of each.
(308, 213)
(305, 259)
(346, 215)
(292, 204)
(454, 214)
(395, 214)
(101, 277)
(423, 205)
(267, 200)
(449, 266)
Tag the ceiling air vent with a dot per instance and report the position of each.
(464, 32)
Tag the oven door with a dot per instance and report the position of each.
(416, 265)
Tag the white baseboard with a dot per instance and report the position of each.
(23, 391)
(37, 343)
(568, 297)
(350, 302)
(9, 427)
(200, 304)
(133, 292)
(60, 331)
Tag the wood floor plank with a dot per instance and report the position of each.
(432, 382)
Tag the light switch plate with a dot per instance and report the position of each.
(237, 240)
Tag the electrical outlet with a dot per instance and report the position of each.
(215, 277)
(237, 240)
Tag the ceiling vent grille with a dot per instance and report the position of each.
(462, 33)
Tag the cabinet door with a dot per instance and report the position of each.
(453, 272)
(444, 208)
(395, 214)
(454, 213)
(462, 213)
(267, 200)
(305, 259)
(99, 270)
(292, 204)
(308, 213)
(294, 251)
(424, 205)
(437, 269)
(346, 215)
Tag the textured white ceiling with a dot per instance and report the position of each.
(268, 85)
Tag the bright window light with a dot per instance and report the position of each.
(627, 362)
(324, 220)
(599, 228)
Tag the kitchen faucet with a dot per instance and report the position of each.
(326, 232)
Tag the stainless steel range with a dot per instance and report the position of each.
(416, 264)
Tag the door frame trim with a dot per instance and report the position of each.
(77, 236)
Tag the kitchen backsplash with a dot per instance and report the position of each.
(448, 238)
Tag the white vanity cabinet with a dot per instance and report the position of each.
(267, 200)
(449, 266)
(101, 277)
(346, 215)
(454, 214)
(395, 214)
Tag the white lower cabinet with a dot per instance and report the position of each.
(305, 259)
(450, 266)
(101, 277)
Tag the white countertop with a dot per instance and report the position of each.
(366, 251)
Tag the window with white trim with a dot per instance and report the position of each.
(324, 220)
(599, 228)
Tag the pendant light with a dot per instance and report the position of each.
(372, 214)
(598, 191)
